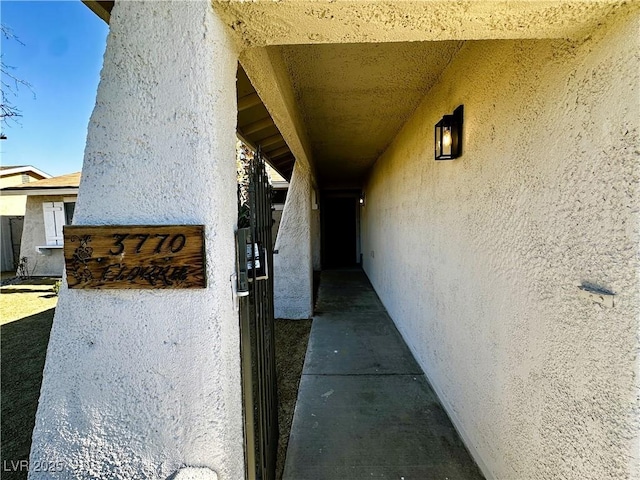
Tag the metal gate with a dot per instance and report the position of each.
(255, 280)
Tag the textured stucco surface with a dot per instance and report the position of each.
(293, 264)
(286, 22)
(33, 235)
(477, 259)
(335, 86)
(337, 61)
(191, 473)
(138, 384)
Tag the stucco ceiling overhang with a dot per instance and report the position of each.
(354, 98)
(289, 22)
(359, 68)
(338, 78)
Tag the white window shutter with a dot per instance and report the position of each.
(53, 222)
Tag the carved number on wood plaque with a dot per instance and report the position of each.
(135, 256)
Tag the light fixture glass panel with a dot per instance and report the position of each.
(446, 141)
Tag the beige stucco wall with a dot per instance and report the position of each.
(477, 259)
(33, 235)
(15, 204)
(15, 179)
(12, 204)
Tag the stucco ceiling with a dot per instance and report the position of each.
(337, 79)
(354, 98)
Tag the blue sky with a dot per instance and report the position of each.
(61, 58)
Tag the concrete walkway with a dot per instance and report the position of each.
(365, 409)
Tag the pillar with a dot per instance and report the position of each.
(293, 269)
(140, 383)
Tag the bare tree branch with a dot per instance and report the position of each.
(10, 84)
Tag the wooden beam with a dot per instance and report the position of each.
(278, 152)
(100, 8)
(248, 101)
(270, 141)
(283, 163)
(257, 126)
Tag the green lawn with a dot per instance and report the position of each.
(25, 298)
(23, 346)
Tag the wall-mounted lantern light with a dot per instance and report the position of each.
(361, 199)
(448, 135)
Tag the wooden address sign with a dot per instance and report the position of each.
(135, 256)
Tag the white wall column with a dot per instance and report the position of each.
(139, 383)
(293, 264)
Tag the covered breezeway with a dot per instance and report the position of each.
(365, 408)
(494, 267)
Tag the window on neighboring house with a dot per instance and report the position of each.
(56, 215)
(69, 208)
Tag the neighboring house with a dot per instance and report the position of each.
(12, 210)
(49, 206)
(280, 187)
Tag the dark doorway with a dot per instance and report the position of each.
(339, 233)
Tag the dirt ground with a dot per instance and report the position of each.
(291, 346)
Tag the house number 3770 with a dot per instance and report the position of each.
(170, 243)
